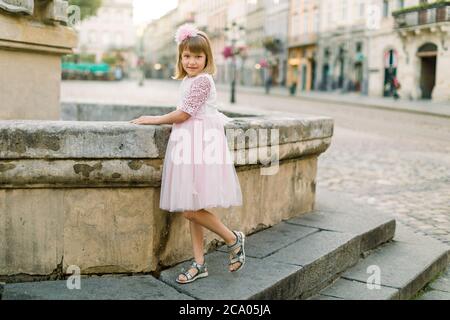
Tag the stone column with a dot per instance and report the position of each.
(441, 90)
(33, 37)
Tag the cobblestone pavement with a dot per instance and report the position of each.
(411, 181)
(397, 162)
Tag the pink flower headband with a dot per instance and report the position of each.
(185, 31)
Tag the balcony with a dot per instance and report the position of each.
(302, 40)
(427, 16)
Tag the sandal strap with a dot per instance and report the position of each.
(236, 260)
(238, 242)
(200, 267)
(188, 275)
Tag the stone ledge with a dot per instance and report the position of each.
(105, 140)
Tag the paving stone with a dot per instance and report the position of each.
(357, 222)
(99, 288)
(262, 244)
(355, 290)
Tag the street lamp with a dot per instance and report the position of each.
(233, 34)
(141, 54)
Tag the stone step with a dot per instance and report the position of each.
(406, 265)
(142, 287)
(294, 259)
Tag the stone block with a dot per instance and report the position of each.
(96, 288)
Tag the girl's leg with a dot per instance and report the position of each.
(197, 246)
(197, 241)
(213, 223)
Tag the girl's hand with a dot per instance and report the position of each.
(145, 120)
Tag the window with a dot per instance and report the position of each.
(92, 37)
(118, 40)
(362, 8)
(359, 46)
(400, 4)
(344, 9)
(385, 8)
(330, 13)
(316, 21)
(106, 39)
(305, 24)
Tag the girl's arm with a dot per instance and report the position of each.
(197, 96)
(176, 116)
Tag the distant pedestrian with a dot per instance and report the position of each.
(191, 186)
(118, 73)
(140, 65)
(396, 86)
(268, 80)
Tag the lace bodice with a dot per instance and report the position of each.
(198, 95)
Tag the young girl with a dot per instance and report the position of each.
(192, 179)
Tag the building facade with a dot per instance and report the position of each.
(276, 36)
(413, 45)
(327, 45)
(342, 53)
(160, 49)
(110, 31)
(304, 22)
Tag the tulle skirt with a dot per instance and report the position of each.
(198, 172)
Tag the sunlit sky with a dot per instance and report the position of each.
(146, 10)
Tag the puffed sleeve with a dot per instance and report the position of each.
(197, 95)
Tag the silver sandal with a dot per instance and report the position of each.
(202, 272)
(238, 256)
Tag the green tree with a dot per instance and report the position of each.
(87, 7)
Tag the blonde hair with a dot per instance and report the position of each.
(197, 44)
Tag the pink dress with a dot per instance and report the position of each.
(198, 172)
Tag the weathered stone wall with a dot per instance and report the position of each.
(87, 193)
